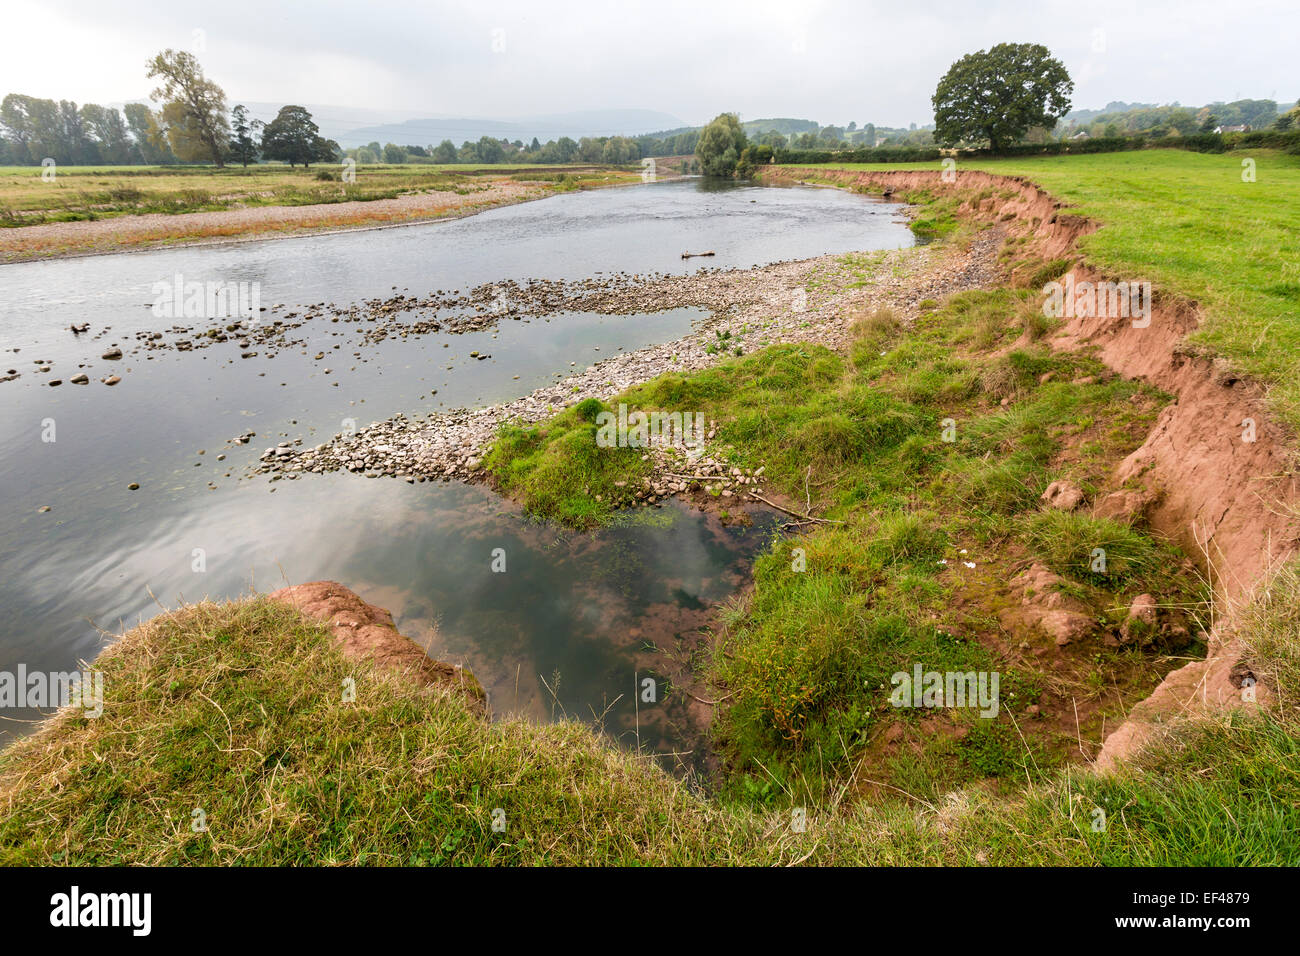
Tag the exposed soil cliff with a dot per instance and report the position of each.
(364, 632)
(1214, 474)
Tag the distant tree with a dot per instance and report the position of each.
(619, 150)
(394, 155)
(105, 126)
(721, 144)
(1290, 119)
(756, 154)
(444, 152)
(468, 153)
(198, 106)
(293, 137)
(416, 151)
(243, 149)
(489, 150)
(181, 134)
(364, 155)
(150, 139)
(831, 134)
(1209, 123)
(998, 94)
(566, 149)
(534, 146)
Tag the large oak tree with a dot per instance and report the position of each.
(998, 94)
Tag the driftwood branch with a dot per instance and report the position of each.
(804, 518)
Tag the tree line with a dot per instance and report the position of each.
(604, 150)
(191, 124)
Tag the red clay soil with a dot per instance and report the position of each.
(364, 632)
(1228, 502)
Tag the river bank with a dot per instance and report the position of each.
(750, 309)
(969, 554)
(128, 233)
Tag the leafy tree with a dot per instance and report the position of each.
(590, 150)
(565, 149)
(619, 150)
(998, 94)
(191, 102)
(756, 154)
(105, 125)
(150, 140)
(394, 155)
(76, 143)
(1290, 119)
(721, 144)
(294, 138)
(444, 152)
(242, 148)
(33, 127)
(489, 150)
(182, 134)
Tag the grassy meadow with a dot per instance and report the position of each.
(80, 193)
(1191, 224)
(926, 537)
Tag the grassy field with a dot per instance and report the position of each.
(1191, 224)
(805, 662)
(236, 710)
(97, 192)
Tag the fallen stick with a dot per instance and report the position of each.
(794, 513)
(692, 255)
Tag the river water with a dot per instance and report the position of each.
(574, 621)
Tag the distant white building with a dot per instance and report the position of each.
(1232, 129)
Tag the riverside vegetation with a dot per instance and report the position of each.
(926, 550)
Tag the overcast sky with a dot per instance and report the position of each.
(829, 61)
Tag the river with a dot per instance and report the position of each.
(573, 622)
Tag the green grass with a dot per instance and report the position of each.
(1190, 224)
(805, 661)
(98, 192)
(236, 709)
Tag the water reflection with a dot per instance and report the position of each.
(579, 608)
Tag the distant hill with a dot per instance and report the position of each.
(427, 131)
(786, 127)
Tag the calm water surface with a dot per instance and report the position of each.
(574, 619)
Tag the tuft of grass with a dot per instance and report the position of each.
(1099, 551)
